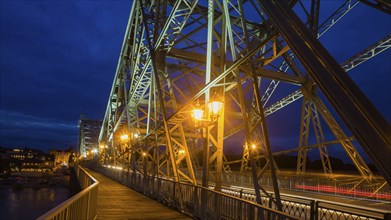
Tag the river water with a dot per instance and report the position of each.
(30, 203)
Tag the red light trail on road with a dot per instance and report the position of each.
(343, 191)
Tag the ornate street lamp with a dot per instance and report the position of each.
(198, 114)
(215, 107)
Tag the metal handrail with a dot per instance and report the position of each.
(196, 201)
(83, 205)
(328, 209)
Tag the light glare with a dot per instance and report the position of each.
(124, 137)
(198, 114)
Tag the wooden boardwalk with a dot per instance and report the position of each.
(116, 201)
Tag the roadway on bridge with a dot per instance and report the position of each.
(116, 201)
(358, 203)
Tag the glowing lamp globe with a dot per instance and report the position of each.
(198, 114)
(215, 107)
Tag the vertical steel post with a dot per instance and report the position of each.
(209, 57)
(205, 174)
(265, 139)
(303, 139)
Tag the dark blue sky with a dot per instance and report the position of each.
(58, 59)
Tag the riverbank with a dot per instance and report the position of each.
(59, 179)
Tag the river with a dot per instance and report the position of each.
(30, 203)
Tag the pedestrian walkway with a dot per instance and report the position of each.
(116, 201)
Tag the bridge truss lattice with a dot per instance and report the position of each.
(258, 57)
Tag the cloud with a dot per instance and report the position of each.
(28, 121)
(18, 129)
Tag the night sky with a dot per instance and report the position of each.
(58, 60)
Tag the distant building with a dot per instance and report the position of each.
(88, 135)
(25, 162)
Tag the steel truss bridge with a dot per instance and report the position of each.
(258, 58)
(88, 134)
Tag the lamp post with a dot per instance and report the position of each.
(198, 114)
(102, 150)
(126, 138)
(204, 123)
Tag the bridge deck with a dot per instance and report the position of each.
(116, 201)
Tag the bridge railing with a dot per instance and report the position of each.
(312, 209)
(195, 201)
(83, 205)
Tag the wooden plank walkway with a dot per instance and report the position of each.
(116, 201)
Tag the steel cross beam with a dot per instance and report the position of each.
(336, 16)
(368, 53)
(367, 124)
